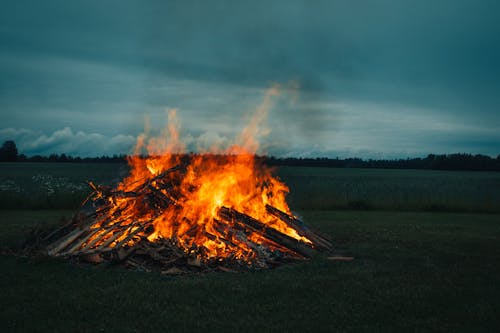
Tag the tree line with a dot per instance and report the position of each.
(464, 162)
(9, 153)
(478, 162)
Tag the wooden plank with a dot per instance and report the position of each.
(230, 232)
(302, 229)
(105, 247)
(65, 241)
(78, 244)
(232, 215)
(98, 238)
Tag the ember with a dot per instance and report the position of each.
(177, 212)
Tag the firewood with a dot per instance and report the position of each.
(131, 234)
(105, 245)
(231, 231)
(115, 226)
(65, 241)
(102, 233)
(63, 227)
(77, 245)
(295, 223)
(301, 228)
(146, 182)
(232, 215)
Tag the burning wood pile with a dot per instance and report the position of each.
(177, 220)
(177, 212)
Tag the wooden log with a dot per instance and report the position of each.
(65, 241)
(102, 192)
(230, 231)
(105, 246)
(106, 243)
(77, 220)
(167, 201)
(104, 232)
(296, 223)
(302, 229)
(146, 182)
(78, 244)
(103, 224)
(232, 215)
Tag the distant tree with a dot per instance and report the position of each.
(8, 151)
(53, 158)
(38, 158)
(63, 158)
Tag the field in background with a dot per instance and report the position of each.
(61, 186)
(413, 271)
(384, 189)
(52, 185)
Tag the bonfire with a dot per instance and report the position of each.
(178, 212)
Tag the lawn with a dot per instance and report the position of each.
(413, 271)
(403, 190)
(52, 185)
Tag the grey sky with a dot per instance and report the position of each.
(377, 78)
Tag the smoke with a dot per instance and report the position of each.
(248, 139)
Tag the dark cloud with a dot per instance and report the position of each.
(97, 66)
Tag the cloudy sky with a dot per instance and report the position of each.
(375, 79)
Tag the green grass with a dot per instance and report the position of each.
(412, 272)
(405, 190)
(52, 185)
(16, 225)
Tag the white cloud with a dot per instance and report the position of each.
(311, 127)
(66, 141)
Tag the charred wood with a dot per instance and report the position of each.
(233, 215)
(301, 228)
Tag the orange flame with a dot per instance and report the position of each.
(232, 178)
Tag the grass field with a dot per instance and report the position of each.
(61, 186)
(412, 272)
(379, 189)
(415, 269)
(52, 185)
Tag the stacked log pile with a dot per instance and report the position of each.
(100, 234)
